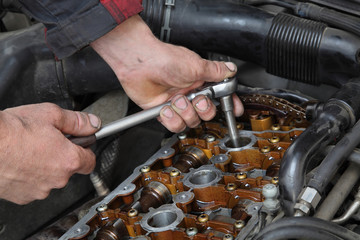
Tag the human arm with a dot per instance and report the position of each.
(152, 72)
(35, 156)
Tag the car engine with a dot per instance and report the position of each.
(294, 173)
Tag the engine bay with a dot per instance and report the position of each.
(295, 173)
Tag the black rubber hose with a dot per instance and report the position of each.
(287, 46)
(338, 114)
(303, 227)
(333, 161)
(328, 16)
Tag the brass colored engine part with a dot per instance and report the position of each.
(191, 157)
(259, 123)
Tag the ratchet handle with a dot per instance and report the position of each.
(83, 141)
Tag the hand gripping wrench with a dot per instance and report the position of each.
(211, 90)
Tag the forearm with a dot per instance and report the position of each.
(72, 25)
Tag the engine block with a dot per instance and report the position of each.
(197, 186)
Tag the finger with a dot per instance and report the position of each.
(204, 107)
(185, 110)
(86, 160)
(171, 120)
(214, 71)
(238, 106)
(75, 123)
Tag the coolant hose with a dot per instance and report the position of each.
(305, 228)
(333, 161)
(287, 46)
(338, 114)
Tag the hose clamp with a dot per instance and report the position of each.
(165, 29)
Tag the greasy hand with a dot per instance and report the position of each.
(35, 156)
(152, 72)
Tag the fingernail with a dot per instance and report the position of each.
(202, 104)
(231, 66)
(181, 103)
(167, 112)
(94, 121)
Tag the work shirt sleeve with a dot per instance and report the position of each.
(73, 24)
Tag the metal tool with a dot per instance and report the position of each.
(211, 90)
(227, 106)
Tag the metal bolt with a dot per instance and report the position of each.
(275, 127)
(241, 176)
(275, 139)
(231, 186)
(102, 208)
(239, 224)
(275, 180)
(145, 169)
(210, 138)
(132, 213)
(182, 136)
(265, 149)
(174, 173)
(228, 237)
(191, 231)
(203, 218)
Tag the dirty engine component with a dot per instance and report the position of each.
(199, 186)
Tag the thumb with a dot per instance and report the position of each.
(214, 71)
(78, 123)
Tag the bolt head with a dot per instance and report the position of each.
(210, 138)
(132, 213)
(102, 208)
(145, 169)
(239, 224)
(191, 231)
(231, 186)
(182, 136)
(275, 139)
(265, 149)
(275, 180)
(228, 237)
(240, 176)
(174, 173)
(203, 218)
(275, 127)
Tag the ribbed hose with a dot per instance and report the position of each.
(293, 47)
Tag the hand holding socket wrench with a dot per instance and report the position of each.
(212, 90)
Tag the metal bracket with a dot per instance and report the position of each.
(165, 29)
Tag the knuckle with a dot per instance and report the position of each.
(43, 194)
(54, 111)
(73, 162)
(61, 183)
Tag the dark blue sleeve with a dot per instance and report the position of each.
(73, 24)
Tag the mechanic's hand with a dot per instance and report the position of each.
(152, 72)
(35, 156)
